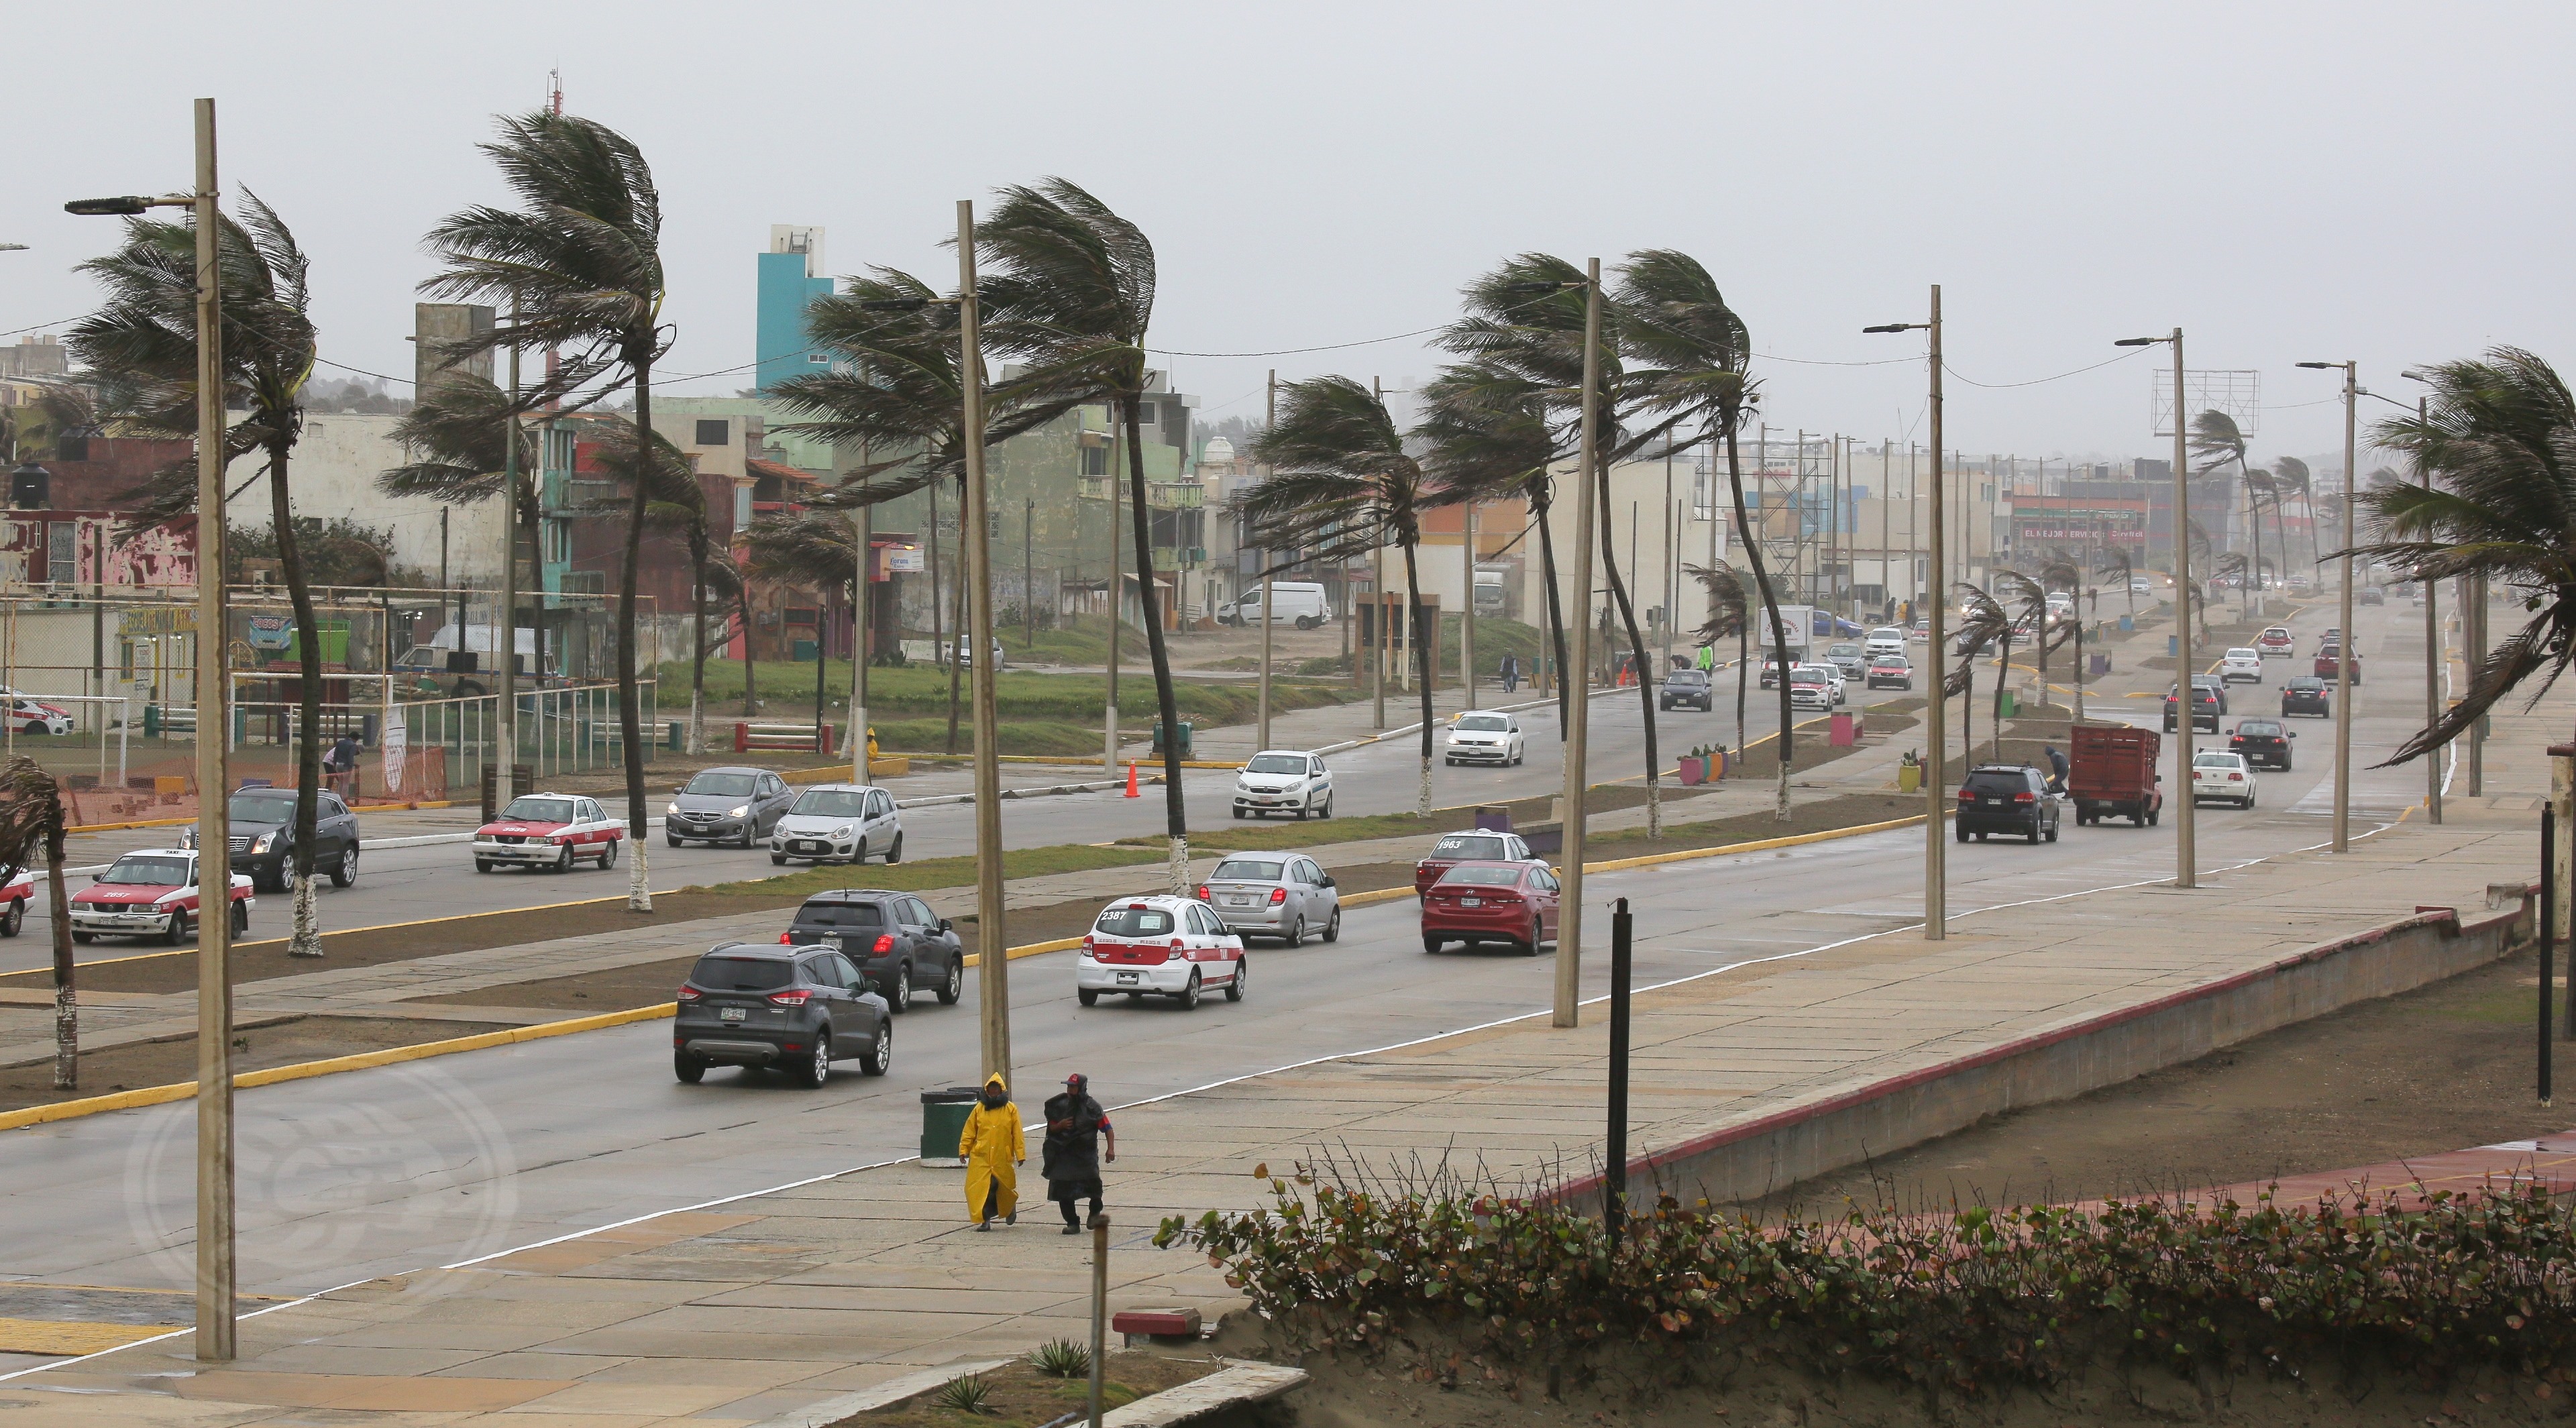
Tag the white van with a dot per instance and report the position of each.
(1299, 600)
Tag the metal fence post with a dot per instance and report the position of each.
(1614, 1179)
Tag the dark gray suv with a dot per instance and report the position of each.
(894, 939)
(794, 1009)
(2005, 798)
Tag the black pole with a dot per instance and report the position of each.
(1614, 1181)
(2548, 930)
(822, 649)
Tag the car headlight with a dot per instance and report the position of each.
(263, 842)
(841, 832)
(670, 811)
(740, 810)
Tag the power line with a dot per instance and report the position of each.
(2036, 381)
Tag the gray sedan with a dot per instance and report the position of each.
(1265, 895)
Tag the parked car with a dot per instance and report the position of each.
(726, 805)
(18, 891)
(1687, 687)
(2112, 773)
(1159, 946)
(1474, 845)
(30, 716)
(2327, 659)
(1847, 659)
(797, 1008)
(2262, 741)
(1301, 601)
(1284, 781)
(2219, 775)
(2276, 643)
(2005, 798)
(2205, 709)
(965, 648)
(1509, 902)
(550, 831)
(1274, 895)
(2241, 664)
(1890, 671)
(151, 892)
(2307, 694)
(898, 944)
(839, 822)
(1485, 738)
(263, 837)
(1886, 639)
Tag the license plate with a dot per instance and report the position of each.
(1471, 902)
(1127, 978)
(1238, 902)
(1994, 800)
(732, 1013)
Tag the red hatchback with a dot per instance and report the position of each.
(1511, 902)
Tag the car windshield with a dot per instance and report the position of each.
(1806, 674)
(840, 914)
(2277, 632)
(830, 803)
(1276, 764)
(1892, 661)
(260, 807)
(2243, 654)
(722, 785)
(1250, 870)
(2216, 761)
(742, 974)
(1485, 723)
(1482, 877)
(1131, 921)
(1888, 633)
(539, 810)
(1999, 781)
(149, 872)
(2261, 729)
(1689, 677)
(1468, 845)
(2307, 684)
(1844, 651)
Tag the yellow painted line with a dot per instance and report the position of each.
(56, 1336)
(1762, 845)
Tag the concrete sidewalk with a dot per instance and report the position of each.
(726, 1314)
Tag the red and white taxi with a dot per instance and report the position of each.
(150, 892)
(15, 894)
(28, 716)
(548, 830)
(1166, 946)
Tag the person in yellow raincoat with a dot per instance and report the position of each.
(993, 1148)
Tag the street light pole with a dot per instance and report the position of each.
(1270, 422)
(508, 643)
(1578, 714)
(2344, 653)
(2185, 855)
(992, 960)
(1936, 783)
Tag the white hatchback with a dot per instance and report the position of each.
(1158, 946)
(2222, 777)
(1284, 781)
(838, 822)
(2241, 664)
(1478, 737)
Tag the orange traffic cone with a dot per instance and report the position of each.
(1131, 779)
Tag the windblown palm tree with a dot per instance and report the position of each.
(1690, 352)
(142, 345)
(1343, 485)
(1727, 615)
(2292, 481)
(1983, 621)
(2494, 496)
(1068, 290)
(2028, 607)
(579, 266)
(675, 502)
(1486, 437)
(456, 436)
(2216, 440)
(31, 826)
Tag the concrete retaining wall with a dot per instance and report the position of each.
(1759, 1157)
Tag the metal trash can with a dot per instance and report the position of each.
(943, 1120)
(1189, 729)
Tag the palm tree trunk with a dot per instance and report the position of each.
(750, 653)
(1422, 657)
(698, 644)
(2003, 677)
(1540, 500)
(1771, 608)
(630, 695)
(1175, 812)
(66, 1002)
(530, 519)
(1743, 662)
(1637, 655)
(306, 938)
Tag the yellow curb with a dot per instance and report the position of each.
(55, 1336)
(183, 1090)
(1613, 865)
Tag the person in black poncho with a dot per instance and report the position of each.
(1075, 1124)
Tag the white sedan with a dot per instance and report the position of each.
(1158, 946)
(1284, 781)
(2241, 664)
(1483, 738)
(2217, 776)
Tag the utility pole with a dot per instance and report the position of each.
(1029, 567)
(2344, 653)
(2432, 646)
(1886, 469)
(1669, 599)
(1467, 618)
(2186, 866)
(1936, 790)
(503, 789)
(1578, 720)
(1377, 597)
(1270, 422)
(864, 557)
(1116, 587)
(992, 961)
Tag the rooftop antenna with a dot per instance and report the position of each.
(554, 90)
(554, 105)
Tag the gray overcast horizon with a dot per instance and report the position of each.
(2286, 182)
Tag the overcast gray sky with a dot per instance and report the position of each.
(2284, 181)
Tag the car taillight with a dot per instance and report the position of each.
(885, 944)
(1203, 892)
(1967, 796)
(2236, 778)
(2025, 798)
(796, 998)
(1087, 948)
(1278, 896)
(687, 994)
(787, 939)
(1173, 954)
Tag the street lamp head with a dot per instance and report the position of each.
(1894, 327)
(2321, 366)
(2138, 341)
(125, 205)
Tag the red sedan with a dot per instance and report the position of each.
(1513, 902)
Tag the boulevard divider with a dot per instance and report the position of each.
(183, 1090)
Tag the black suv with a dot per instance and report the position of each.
(893, 938)
(2305, 694)
(2263, 742)
(263, 837)
(2206, 705)
(798, 1009)
(1687, 686)
(2006, 798)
